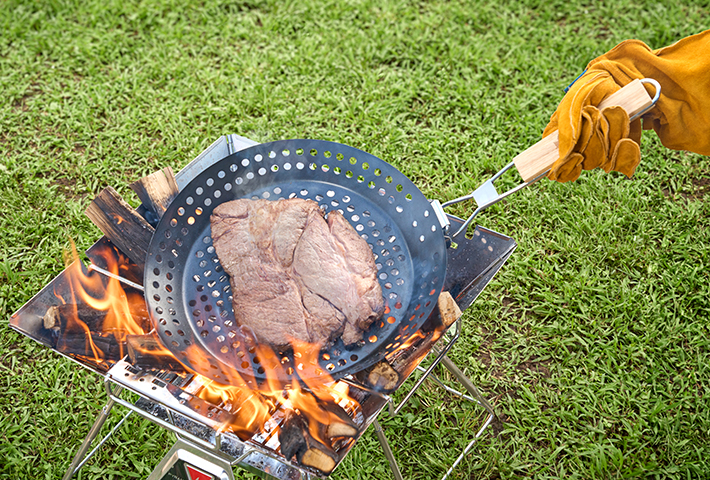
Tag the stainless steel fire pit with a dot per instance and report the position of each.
(169, 396)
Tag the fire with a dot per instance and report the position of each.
(253, 406)
(411, 340)
(102, 294)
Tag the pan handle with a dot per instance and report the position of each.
(536, 161)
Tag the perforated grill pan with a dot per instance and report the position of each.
(188, 294)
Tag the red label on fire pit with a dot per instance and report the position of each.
(195, 474)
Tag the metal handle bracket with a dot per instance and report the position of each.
(487, 195)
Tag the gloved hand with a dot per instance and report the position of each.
(591, 138)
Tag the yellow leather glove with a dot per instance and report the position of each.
(590, 138)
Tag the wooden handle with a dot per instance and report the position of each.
(541, 156)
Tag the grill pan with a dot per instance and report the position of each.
(188, 293)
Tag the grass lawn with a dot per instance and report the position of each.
(592, 342)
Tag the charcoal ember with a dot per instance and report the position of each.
(294, 274)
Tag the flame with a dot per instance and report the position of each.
(103, 294)
(252, 405)
(413, 339)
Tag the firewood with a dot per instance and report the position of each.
(449, 310)
(79, 342)
(75, 327)
(296, 441)
(319, 458)
(385, 375)
(146, 352)
(341, 425)
(58, 317)
(157, 190)
(51, 319)
(121, 224)
(341, 429)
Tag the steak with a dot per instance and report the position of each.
(294, 274)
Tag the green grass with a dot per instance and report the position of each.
(592, 342)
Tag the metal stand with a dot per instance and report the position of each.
(475, 397)
(81, 456)
(471, 265)
(199, 453)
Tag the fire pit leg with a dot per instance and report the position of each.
(95, 429)
(468, 385)
(387, 450)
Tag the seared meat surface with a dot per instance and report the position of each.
(295, 274)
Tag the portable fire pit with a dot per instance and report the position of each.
(300, 427)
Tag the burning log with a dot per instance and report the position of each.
(121, 224)
(58, 316)
(157, 190)
(382, 377)
(342, 427)
(146, 352)
(76, 329)
(386, 375)
(449, 310)
(297, 441)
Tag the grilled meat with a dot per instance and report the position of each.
(295, 274)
